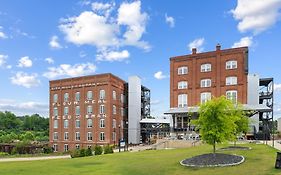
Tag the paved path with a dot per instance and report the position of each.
(33, 158)
(277, 144)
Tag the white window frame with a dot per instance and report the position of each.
(77, 110)
(102, 109)
(77, 96)
(231, 64)
(55, 147)
(89, 95)
(205, 96)
(89, 123)
(182, 85)
(205, 83)
(182, 70)
(182, 100)
(55, 136)
(114, 95)
(66, 97)
(66, 136)
(114, 123)
(113, 136)
(122, 98)
(65, 110)
(65, 124)
(89, 109)
(56, 124)
(102, 136)
(232, 80)
(89, 136)
(102, 94)
(102, 123)
(55, 111)
(77, 136)
(77, 123)
(66, 148)
(114, 110)
(230, 94)
(122, 111)
(207, 67)
(55, 98)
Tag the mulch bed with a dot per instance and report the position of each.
(235, 148)
(213, 160)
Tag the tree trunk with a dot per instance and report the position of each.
(214, 147)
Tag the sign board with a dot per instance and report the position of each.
(122, 144)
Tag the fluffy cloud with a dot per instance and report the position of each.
(159, 75)
(277, 87)
(170, 20)
(245, 41)
(2, 34)
(197, 43)
(256, 15)
(67, 70)
(25, 62)
(50, 60)
(24, 108)
(25, 80)
(113, 56)
(3, 62)
(107, 32)
(54, 43)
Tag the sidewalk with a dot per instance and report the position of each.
(277, 144)
(33, 158)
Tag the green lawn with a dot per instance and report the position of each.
(259, 160)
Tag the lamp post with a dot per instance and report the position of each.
(119, 138)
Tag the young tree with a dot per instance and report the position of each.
(216, 121)
(242, 124)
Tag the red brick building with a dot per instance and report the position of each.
(87, 110)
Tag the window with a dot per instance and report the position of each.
(89, 123)
(89, 146)
(66, 136)
(89, 95)
(55, 147)
(232, 95)
(55, 111)
(65, 124)
(206, 67)
(206, 83)
(65, 110)
(102, 94)
(102, 109)
(232, 64)
(122, 98)
(182, 70)
(77, 123)
(102, 123)
(65, 147)
(77, 96)
(205, 96)
(77, 110)
(182, 85)
(113, 136)
(114, 123)
(66, 97)
(55, 124)
(122, 111)
(55, 99)
(114, 109)
(102, 136)
(114, 95)
(77, 146)
(77, 135)
(89, 136)
(182, 100)
(89, 109)
(231, 80)
(55, 136)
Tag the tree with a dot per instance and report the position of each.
(216, 121)
(242, 124)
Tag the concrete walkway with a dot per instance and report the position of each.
(16, 159)
(277, 144)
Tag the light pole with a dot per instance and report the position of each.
(119, 138)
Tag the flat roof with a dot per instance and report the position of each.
(155, 120)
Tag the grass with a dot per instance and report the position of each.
(259, 160)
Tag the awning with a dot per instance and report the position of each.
(155, 120)
(194, 109)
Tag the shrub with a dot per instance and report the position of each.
(88, 152)
(75, 153)
(82, 153)
(98, 150)
(108, 149)
(2, 154)
(47, 149)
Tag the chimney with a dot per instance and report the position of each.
(194, 50)
(218, 47)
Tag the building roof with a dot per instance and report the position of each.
(194, 109)
(155, 120)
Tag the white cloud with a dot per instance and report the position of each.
(50, 60)
(103, 8)
(113, 56)
(197, 43)
(256, 15)
(170, 20)
(25, 80)
(24, 108)
(67, 70)
(3, 62)
(2, 34)
(277, 87)
(25, 62)
(245, 41)
(54, 43)
(159, 75)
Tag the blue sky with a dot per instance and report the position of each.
(43, 40)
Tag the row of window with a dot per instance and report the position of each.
(208, 82)
(205, 96)
(89, 110)
(78, 136)
(89, 96)
(232, 64)
(89, 123)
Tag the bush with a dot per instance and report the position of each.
(82, 153)
(108, 149)
(2, 154)
(75, 153)
(88, 152)
(47, 149)
(98, 150)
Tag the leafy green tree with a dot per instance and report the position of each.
(216, 121)
(242, 124)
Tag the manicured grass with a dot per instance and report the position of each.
(259, 160)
